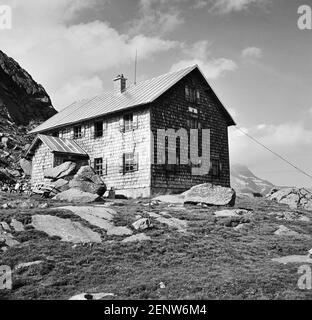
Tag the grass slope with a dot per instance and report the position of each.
(210, 261)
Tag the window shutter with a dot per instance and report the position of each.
(92, 130)
(135, 122)
(122, 125)
(122, 167)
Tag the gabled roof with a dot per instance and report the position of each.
(57, 145)
(136, 95)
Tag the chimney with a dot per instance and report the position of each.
(120, 83)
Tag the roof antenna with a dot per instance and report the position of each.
(135, 67)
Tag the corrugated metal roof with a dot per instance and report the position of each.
(140, 94)
(58, 145)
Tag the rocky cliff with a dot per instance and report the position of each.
(22, 100)
(24, 104)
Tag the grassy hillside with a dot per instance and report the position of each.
(212, 260)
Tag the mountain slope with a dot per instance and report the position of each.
(24, 104)
(22, 100)
(244, 181)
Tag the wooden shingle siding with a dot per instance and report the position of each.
(172, 110)
(42, 160)
(113, 144)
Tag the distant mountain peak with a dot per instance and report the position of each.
(245, 181)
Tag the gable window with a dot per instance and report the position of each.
(128, 122)
(192, 94)
(130, 162)
(98, 166)
(98, 129)
(77, 132)
(194, 123)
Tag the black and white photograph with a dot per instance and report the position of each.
(155, 150)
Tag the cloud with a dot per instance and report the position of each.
(70, 58)
(156, 17)
(199, 53)
(252, 53)
(280, 138)
(227, 6)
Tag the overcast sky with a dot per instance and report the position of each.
(256, 59)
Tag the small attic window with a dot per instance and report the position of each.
(192, 94)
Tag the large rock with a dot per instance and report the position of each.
(26, 166)
(90, 187)
(142, 224)
(86, 173)
(97, 216)
(67, 230)
(295, 198)
(88, 181)
(211, 195)
(60, 185)
(285, 232)
(76, 196)
(61, 171)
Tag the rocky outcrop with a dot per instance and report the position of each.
(22, 100)
(60, 171)
(24, 104)
(295, 198)
(210, 195)
(67, 230)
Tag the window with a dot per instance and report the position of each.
(192, 94)
(55, 134)
(98, 166)
(77, 132)
(215, 168)
(194, 124)
(98, 129)
(128, 122)
(130, 162)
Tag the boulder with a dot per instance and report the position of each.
(285, 232)
(86, 186)
(211, 195)
(76, 196)
(88, 181)
(61, 171)
(26, 166)
(295, 198)
(86, 173)
(17, 225)
(142, 224)
(119, 231)
(60, 185)
(67, 230)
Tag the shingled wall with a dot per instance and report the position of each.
(171, 110)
